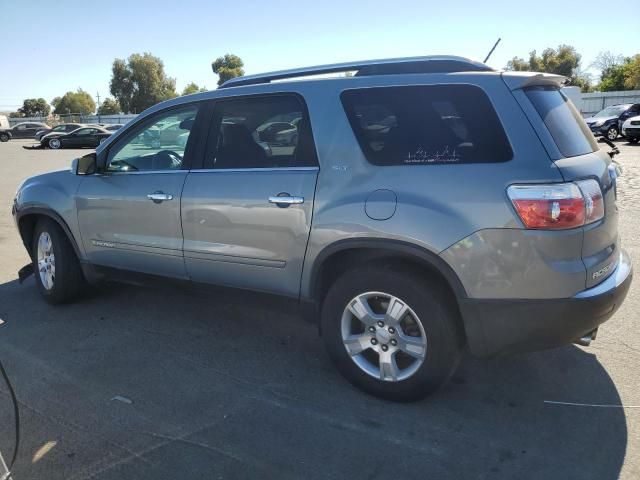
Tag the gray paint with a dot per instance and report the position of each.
(233, 236)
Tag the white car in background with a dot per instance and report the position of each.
(631, 129)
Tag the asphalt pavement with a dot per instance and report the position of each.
(160, 383)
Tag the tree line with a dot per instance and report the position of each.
(137, 83)
(616, 72)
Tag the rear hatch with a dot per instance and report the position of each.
(574, 150)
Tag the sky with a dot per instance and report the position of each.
(51, 47)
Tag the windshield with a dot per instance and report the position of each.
(612, 111)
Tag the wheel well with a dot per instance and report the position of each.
(27, 224)
(340, 262)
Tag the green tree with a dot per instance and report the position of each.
(632, 73)
(227, 67)
(75, 102)
(55, 101)
(35, 107)
(622, 75)
(193, 88)
(109, 107)
(612, 79)
(140, 82)
(564, 60)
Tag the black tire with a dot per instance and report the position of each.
(69, 282)
(612, 133)
(633, 140)
(432, 306)
(4, 137)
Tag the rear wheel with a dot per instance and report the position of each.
(55, 143)
(612, 133)
(57, 270)
(391, 333)
(4, 137)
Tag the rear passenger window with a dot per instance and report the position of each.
(262, 132)
(424, 125)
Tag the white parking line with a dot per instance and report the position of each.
(571, 404)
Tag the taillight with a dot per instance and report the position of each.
(558, 206)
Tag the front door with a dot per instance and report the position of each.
(246, 215)
(129, 213)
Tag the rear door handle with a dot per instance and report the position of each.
(158, 197)
(284, 200)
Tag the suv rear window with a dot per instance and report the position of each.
(564, 122)
(425, 125)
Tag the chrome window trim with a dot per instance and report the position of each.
(141, 172)
(266, 169)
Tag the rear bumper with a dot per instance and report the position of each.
(495, 327)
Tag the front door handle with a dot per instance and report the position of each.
(159, 197)
(283, 200)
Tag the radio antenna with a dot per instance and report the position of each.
(491, 51)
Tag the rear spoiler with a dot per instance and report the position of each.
(517, 80)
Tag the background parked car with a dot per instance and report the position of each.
(113, 127)
(62, 128)
(608, 122)
(631, 129)
(22, 130)
(82, 137)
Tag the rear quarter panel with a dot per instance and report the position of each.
(437, 205)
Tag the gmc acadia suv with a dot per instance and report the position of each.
(420, 206)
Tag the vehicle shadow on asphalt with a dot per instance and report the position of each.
(144, 383)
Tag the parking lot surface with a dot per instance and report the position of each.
(159, 383)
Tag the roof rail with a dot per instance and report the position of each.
(427, 64)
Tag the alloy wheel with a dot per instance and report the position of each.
(46, 261)
(383, 336)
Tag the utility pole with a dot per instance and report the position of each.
(98, 95)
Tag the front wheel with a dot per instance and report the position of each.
(391, 333)
(57, 270)
(612, 133)
(4, 137)
(55, 143)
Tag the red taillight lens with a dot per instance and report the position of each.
(558, 206)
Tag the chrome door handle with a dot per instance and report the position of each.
(158, 197)
(286, 200)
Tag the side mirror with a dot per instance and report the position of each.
(84, 165)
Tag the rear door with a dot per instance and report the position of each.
(246, 213)
(129, 213)
(577, 155)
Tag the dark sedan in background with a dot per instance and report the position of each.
(608, 122)
(89, 137)
(62, 128)
(22, 130)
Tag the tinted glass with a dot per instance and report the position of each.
(60, 128)
(86, 131)
(262, 132)
(568, 129)
(427, 125)
(157, 145)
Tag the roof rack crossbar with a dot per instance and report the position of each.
(427, 64)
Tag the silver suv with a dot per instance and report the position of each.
(417, 207)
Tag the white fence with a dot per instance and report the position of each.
(75, 118)
(594, 102)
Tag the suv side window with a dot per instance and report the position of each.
(159, 144)
(261, 132)
(426, 125)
